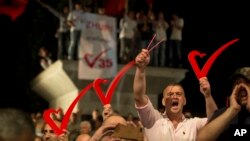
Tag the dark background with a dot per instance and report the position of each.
(208, 25)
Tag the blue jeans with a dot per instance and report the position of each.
(74, 43)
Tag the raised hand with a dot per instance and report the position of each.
(64, 136)
(233, 99)
(101, 131)
(248, 99)
(107, 111)
(142, 59)
(205, 88)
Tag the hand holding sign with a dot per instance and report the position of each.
(143, 58)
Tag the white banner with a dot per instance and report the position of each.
(97, 51)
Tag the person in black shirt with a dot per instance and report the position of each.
(227, 123)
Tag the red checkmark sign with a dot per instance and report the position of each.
(64, 124)
(92, 63)
(203, 73)
(105, 99)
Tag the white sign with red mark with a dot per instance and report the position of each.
(97, 51)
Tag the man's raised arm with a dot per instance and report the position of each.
(141, 60)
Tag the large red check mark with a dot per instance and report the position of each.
(105, 99)
(92, 63)
(47, 113)
(202, 73)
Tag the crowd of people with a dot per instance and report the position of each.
(135, 29)
(172, 124)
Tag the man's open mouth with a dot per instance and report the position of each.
(175, 103)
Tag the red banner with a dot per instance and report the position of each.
(114, 7)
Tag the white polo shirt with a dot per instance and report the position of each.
(158, 127)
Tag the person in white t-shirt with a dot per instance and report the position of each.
(128, 28)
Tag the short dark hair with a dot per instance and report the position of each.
(243, 72)
(14, 123)
(174, 84)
